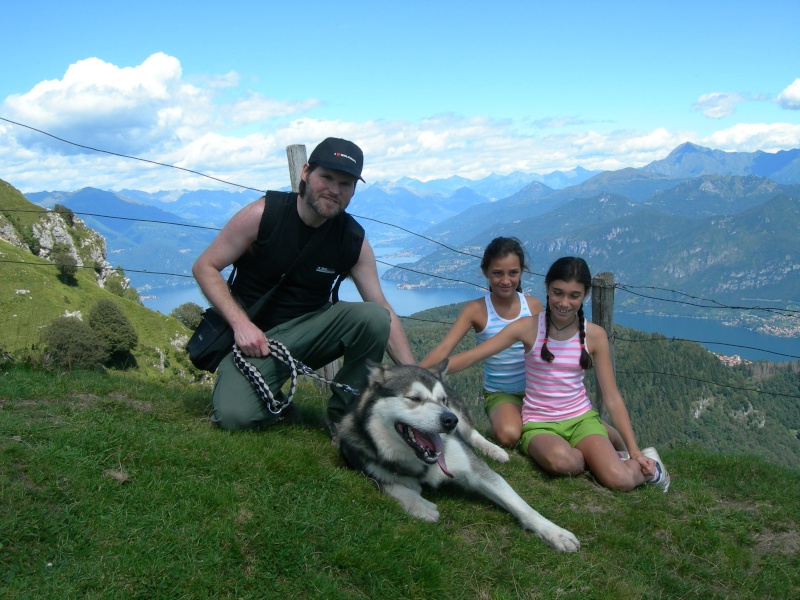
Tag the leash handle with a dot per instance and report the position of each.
(281, 352)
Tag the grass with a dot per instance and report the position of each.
(112, 486)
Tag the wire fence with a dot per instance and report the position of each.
(677, 296)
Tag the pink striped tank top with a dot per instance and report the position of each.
(554, 391)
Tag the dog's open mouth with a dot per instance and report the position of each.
(428, 446)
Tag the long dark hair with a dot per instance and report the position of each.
(566, 269)
(500, 247)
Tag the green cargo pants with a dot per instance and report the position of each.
(353, 330)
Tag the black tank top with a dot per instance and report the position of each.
(281, 236)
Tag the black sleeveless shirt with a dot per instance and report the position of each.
(281, 236)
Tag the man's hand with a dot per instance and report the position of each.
(251, 340)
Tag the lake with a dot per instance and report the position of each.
(712, 334)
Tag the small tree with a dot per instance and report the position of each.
(66, 263)
(131, 294)
(119, 285)
(65, 213)
(188, 313)
(113, 328)
(71, 344)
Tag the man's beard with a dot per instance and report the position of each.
(320, 207)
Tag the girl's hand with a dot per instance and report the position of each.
(648, 465)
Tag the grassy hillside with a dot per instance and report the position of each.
(33, 294)
(14, 207)
(115, 487)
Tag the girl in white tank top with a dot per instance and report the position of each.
(504, 375)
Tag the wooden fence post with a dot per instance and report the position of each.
(603, 315)
(296, 155)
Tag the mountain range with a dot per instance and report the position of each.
(705, 222)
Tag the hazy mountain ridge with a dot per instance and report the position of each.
(690, 160)
(494, 186)
(212, 208)
(638, 223)
(728, 257)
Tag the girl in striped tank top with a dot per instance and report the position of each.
(561, 431)
(503, 373)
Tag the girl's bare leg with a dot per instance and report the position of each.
(554, 454)
(506, 420)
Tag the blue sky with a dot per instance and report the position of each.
(427, 89)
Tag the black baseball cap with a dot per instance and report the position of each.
(339, 155)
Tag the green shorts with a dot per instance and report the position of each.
(495, 399)
(572, 430)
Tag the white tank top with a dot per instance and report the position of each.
(505, 371)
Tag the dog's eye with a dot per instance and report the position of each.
(415, 398)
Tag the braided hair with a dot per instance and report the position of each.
(568, 268)
(500, 247)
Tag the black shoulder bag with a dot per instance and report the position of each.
(213, 338)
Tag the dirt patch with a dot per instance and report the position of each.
(85, 401)
(785, 542)
(137, 404)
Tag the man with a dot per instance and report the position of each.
(263, 240)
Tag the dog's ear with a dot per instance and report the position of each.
(439, 369)
(375, 371)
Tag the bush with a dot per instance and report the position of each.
(26, 233)
(67, 265)
(131, 294)
(71, 344)
(189, 314)
(119, 285)
(113, 329)
(65, 213)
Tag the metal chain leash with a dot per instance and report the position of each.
(281, 352)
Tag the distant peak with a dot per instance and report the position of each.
(688, 147)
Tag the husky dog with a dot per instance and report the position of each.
(408, 429)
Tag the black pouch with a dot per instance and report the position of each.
(211, 341)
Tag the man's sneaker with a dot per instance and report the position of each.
(661, 480)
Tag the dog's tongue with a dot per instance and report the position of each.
(437, 445)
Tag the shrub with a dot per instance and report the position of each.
(66, 263)
(188, 313)
(113, 329)
(71, 344)
(119, 285)
(30, 240)
(131, 294)
(66, 214)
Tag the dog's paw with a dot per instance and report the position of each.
(559, 539)
(488, 448)
(424, 510)
(497, 453)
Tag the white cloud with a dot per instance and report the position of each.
(213, 126)
(790, 97)
(718, 104)
(749, 137)
(257, 109)
(120, 109)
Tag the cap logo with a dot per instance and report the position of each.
(342, 155)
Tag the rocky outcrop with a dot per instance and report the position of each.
(50, 230)
(9, 233)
